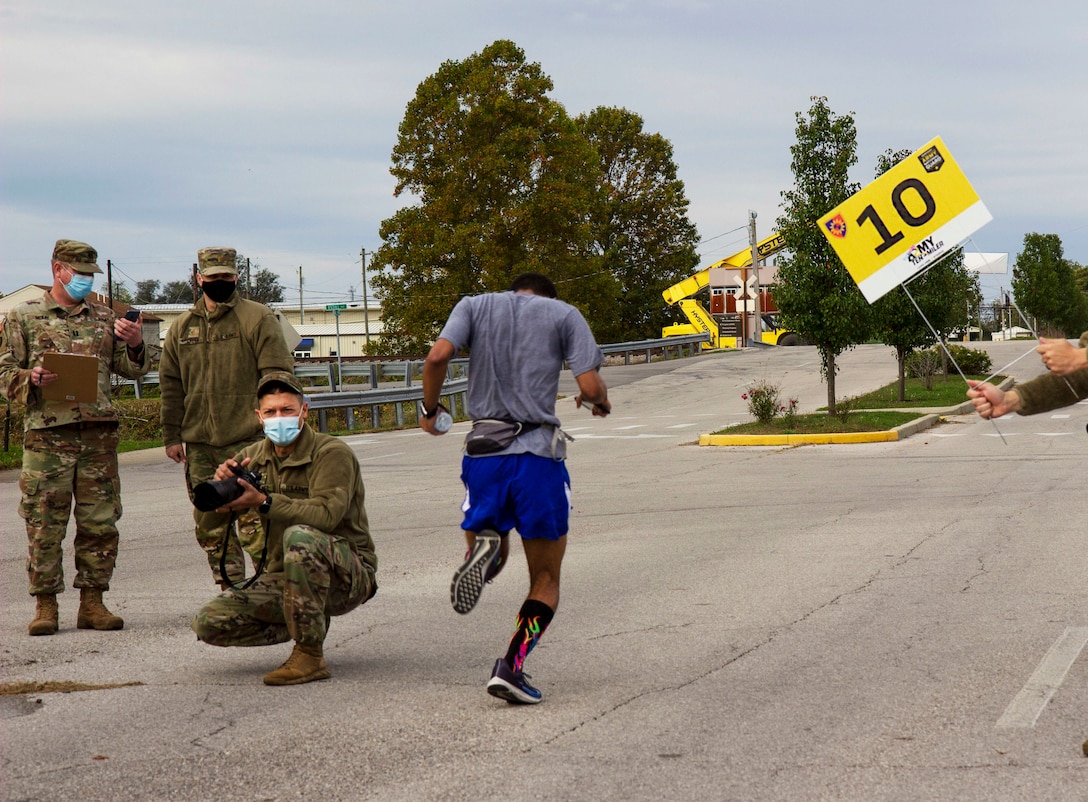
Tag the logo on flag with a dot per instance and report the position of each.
(836, 226)
(931, 159)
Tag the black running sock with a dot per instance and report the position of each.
(533, 618)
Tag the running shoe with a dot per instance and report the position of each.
(494, 567)
(513, 686)
(468, 580)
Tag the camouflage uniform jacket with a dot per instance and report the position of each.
(319, 484)
(1048, 391)
(37, 326)
(210, 366)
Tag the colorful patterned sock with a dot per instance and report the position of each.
(533, 618)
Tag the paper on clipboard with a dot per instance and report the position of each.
(77, 377)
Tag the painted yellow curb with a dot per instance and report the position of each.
(796, 439)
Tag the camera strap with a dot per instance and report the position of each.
(223, 556)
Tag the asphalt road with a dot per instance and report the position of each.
(893, 621)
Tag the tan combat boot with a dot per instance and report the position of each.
(93, 614)
(305, 664)
(45, 616)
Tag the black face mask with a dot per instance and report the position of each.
(220, 290)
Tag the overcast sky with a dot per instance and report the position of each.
(152, 129)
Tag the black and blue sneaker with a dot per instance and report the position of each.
(513, 686)
(468, 580)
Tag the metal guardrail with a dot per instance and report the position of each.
(692, 342)
(453, 390)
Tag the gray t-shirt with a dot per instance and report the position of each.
(518, 343)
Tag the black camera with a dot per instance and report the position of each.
(213, 494)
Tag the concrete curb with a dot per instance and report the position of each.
(891, 435)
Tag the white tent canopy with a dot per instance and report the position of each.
(997, 263)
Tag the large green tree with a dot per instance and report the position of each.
(1045, 287)
(503, 183)
(640, 228)
(815, 294)
(943, 293)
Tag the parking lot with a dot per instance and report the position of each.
(880, 621)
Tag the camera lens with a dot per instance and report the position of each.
(212, 495)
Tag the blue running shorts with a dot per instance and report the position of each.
(516, 491)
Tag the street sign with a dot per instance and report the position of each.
(331, 307)
(905, 220)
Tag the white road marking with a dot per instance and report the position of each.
(382, 456)
(621, 436)
(682, 425)
(1061, 417)
(1025, 709)
(632, 426)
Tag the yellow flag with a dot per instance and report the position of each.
(905, 220)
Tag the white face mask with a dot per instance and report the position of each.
(282, 431)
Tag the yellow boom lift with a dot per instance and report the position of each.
(700, 320)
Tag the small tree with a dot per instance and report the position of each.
(1045, 286)
(815, 294)
(147, 292)
(257, 283)
(176, 292)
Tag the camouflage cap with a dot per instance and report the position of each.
(278, 377)
(217, 260)
(80, 256)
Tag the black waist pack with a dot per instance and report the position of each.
(489, 435)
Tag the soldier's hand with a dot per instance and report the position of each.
(1061, 357)
(40, 377)
(176, 452)
(251, 498)
(130, 332)
(990, 401)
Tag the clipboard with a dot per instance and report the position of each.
(77, 377)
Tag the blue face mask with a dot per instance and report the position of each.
(79, 286)
(282, 431)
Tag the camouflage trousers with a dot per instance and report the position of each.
(201, 461)
(321, 577)
(62, 465)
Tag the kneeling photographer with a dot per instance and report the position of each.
(320, 558)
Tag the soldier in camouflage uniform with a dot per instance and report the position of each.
(320, 559)
(212, 358)
(69, 447)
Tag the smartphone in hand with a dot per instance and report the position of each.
(133, 315)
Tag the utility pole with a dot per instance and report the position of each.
(366, 304)
(757, 318)
(193, 282)
(249, 283)
(301, 311)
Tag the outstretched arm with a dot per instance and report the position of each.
(434, 376)
(593, 392)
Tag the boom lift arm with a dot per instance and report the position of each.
(683, 292)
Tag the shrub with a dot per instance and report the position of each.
(762, 401)
(925, 363)
(972, 361)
